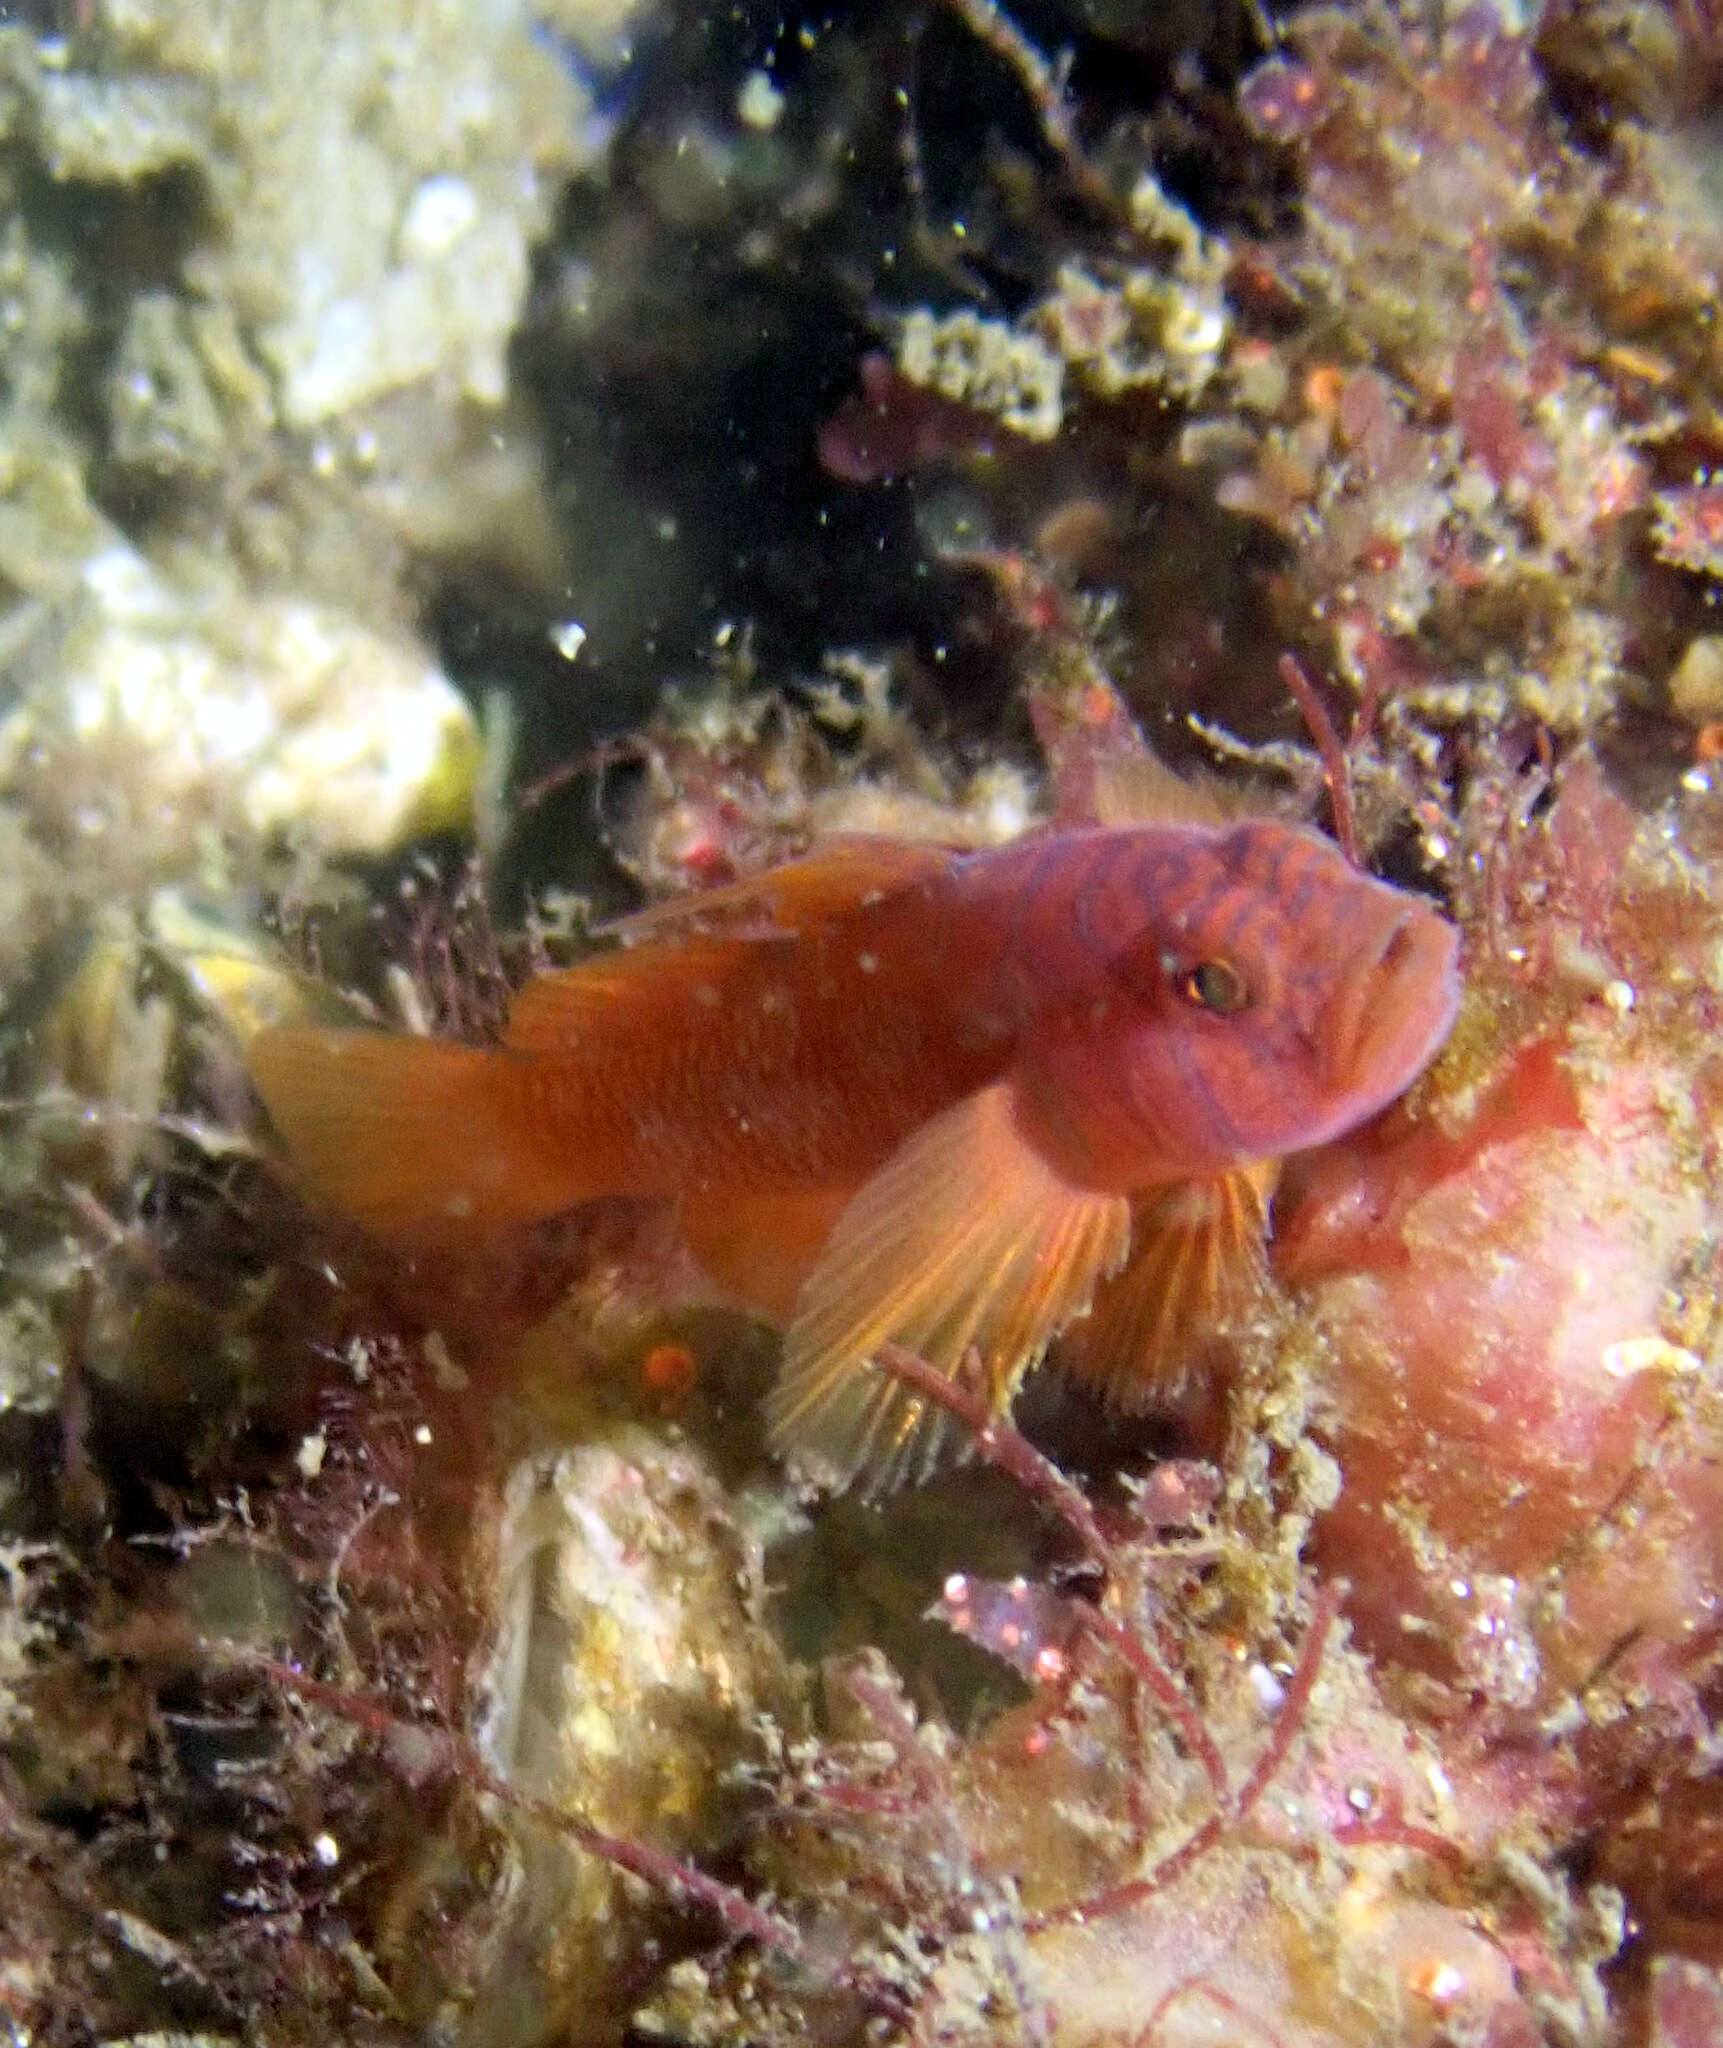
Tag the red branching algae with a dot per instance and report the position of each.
(1055, 1878)
(1332, 753)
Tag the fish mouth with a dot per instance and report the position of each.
(1393, 1009)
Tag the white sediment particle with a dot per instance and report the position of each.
(1630, 1356)
(124, 585)
(441, 213)
(1444, 1984)
(759, 105)
(1270, 1693)
(450, 1377)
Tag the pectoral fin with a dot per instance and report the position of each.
(965, 1248)
(1196, 1258)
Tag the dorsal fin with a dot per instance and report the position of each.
(1140, 789)
(683, 951)
(616, 996)
(838, 875)
(679, 953)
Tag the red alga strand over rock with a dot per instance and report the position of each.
(1548, 844)
(1500, 809)
(996, 1442)
(1084, 729)
(424, 1753)
(890, 1796)
(1194, 1991)
(1235, 1809)
(1335, 766)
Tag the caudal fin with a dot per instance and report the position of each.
(416, 1139)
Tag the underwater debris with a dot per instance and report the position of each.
(748, 778)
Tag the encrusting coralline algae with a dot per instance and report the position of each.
(397, 1646)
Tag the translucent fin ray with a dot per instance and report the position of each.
(835, 878)
(1138, 788)
(965, 1248)
(1196, 1258)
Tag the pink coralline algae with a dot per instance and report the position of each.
(1463, 489)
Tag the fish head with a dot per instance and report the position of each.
(1258, 996)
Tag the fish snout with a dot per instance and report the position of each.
(1394, 1006)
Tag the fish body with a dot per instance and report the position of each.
(902, 1093)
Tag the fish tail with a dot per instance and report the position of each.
(417, 1139)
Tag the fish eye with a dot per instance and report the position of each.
(1215, 985)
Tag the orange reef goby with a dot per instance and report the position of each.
(951, 1100)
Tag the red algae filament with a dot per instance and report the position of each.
(1194, 1991)
(1231, 1809)
(1334, 762)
